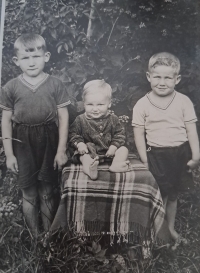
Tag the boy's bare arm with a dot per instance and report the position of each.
(139, 136)
(63, 126)
(6, 124)
(194, 144)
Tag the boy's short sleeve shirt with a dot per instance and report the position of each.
(164, 127)
(34, 104)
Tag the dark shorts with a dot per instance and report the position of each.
(35, 154)
(169, 168)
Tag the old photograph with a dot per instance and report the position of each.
(99, 138)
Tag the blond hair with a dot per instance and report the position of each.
(96, 86)
(31, 42)
(164, 58)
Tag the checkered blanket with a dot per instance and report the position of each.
(125, 205)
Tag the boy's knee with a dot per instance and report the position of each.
(46, 191)
(30, 192)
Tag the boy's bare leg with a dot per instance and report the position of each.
(90, 165)
(30, 208)
(47, 204)
(120, 162)
(171, 208)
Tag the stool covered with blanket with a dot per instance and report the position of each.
(125, 205)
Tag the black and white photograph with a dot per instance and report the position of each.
(99, 136)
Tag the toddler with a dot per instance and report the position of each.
(34, 129)
(167, 120)
(97, 134)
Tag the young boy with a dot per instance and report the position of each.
(167, 119)
(33, 104)
(96, 133)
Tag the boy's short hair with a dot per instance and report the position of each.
(97, 86)
(31, 42)
(164, 58)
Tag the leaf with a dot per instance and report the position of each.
(96, 247)
(80, 108)
(66, 47)
(43, 28)
(70, 44)
(55, 22)
(53, 33)
(101, 253)
(86, 14)
(59, 48)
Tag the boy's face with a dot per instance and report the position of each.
(96, 105)
(31, 63)
(163, 79)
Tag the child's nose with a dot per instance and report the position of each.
(162, 81)
(31, 61)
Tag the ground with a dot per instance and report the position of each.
(21, 254)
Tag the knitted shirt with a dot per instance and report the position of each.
(34, 104)
(103, 132)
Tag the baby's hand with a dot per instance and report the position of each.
(111, 151)
(82, 148)
(192, 164)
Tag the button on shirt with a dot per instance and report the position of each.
(102, 132)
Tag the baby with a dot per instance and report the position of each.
(97, 134)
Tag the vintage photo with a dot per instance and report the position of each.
(99, 138)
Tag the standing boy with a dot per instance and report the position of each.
(33, 104)
(167, 120)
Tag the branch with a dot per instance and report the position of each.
(92, 17)
(112, 30)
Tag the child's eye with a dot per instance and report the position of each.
(24, 58)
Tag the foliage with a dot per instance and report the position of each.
(126, 33)
(71, 254)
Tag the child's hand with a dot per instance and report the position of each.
(82, 148)
(111, 151)
(192, 164)
(146, 164)
(11, 163)
(60, 160)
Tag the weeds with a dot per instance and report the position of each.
(70, 254)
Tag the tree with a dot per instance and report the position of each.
(109, 39)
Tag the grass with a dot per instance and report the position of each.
(19, 253)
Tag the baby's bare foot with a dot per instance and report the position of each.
(120, 167)
(93, 172)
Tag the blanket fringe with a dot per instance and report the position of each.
(95, 229)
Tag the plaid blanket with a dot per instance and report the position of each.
(118, 204)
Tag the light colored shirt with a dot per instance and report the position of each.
(164, 127)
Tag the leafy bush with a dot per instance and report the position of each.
(124, 36)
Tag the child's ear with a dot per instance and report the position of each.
(148, 76)
(47, 56)
(15, 60)
(109, 105)
(178, 79)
